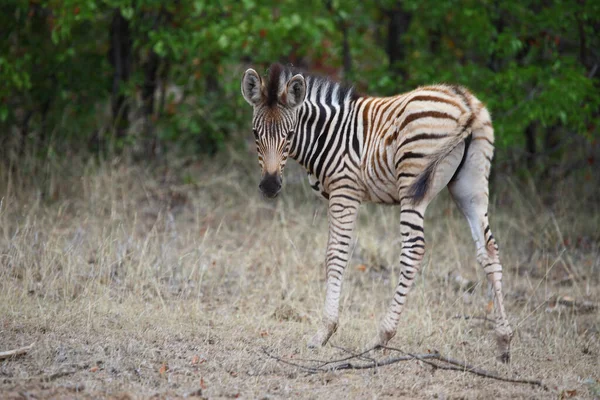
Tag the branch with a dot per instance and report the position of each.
(16, 352)
(345, 364)
(341, 365)
(360, 356)
(468, 317)
(477, 371)
(461, 366)
(387, 361)
(57, 375)
(51, 377)
(304, 367)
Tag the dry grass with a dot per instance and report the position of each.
(134, 281)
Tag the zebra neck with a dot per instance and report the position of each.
(323, 128)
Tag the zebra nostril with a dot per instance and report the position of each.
(270, 185)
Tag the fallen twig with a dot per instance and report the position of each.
(57, 375)
(340, 364)
(323, 363)
(381, 363)
(360, 355)
(304, 367)
(346, 364)
(486, 374)
(51, 377)
(16, 352)
(468, 317)
(460, 366)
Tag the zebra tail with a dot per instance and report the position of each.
(420, 186)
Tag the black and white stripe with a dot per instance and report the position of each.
(400, 150)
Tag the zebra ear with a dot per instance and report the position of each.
(252, 87)
(295, 91)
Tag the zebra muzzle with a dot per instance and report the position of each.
(270, 185)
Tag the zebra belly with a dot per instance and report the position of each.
(379, 179)
(383, 191)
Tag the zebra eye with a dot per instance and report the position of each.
(255, 133)
(290, 134)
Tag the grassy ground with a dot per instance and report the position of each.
(135, 281)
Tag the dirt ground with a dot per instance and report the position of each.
(134, 281)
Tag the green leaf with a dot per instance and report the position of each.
(127, 12)
(159, 48)
(223, 42)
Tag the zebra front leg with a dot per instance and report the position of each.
(343, 210)
(413, 249)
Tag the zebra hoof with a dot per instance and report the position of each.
(315, 342)
(381, 340)
(321, 338)
(504, 357)
(504, 336)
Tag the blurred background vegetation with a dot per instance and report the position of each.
(150, 77)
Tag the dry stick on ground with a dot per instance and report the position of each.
(460, 366)
(16, 352)
(455, 365)
(43, 378)
(468, 317)
(51, 377)
(323, 363)
(307, 368)
(374, 363)
(360, 356)
(57, 375)
(340, 362)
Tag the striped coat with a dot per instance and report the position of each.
(400, 150)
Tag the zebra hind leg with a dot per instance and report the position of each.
(413, 243)
(470, 192)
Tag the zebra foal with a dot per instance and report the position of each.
(400, 150)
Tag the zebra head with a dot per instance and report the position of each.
(275, 116)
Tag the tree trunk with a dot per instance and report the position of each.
(347, 57)
(343, 25)
(150, 67)
(497, 18)
(212, 83)
(582, 42)
(120, 58)
(24, 128)
(44, 122)
(397, 27)
(530, 145)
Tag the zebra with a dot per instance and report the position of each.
(399, 150)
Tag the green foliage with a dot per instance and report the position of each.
(532, 62)
(521, 58)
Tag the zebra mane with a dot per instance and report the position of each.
(279, 75)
